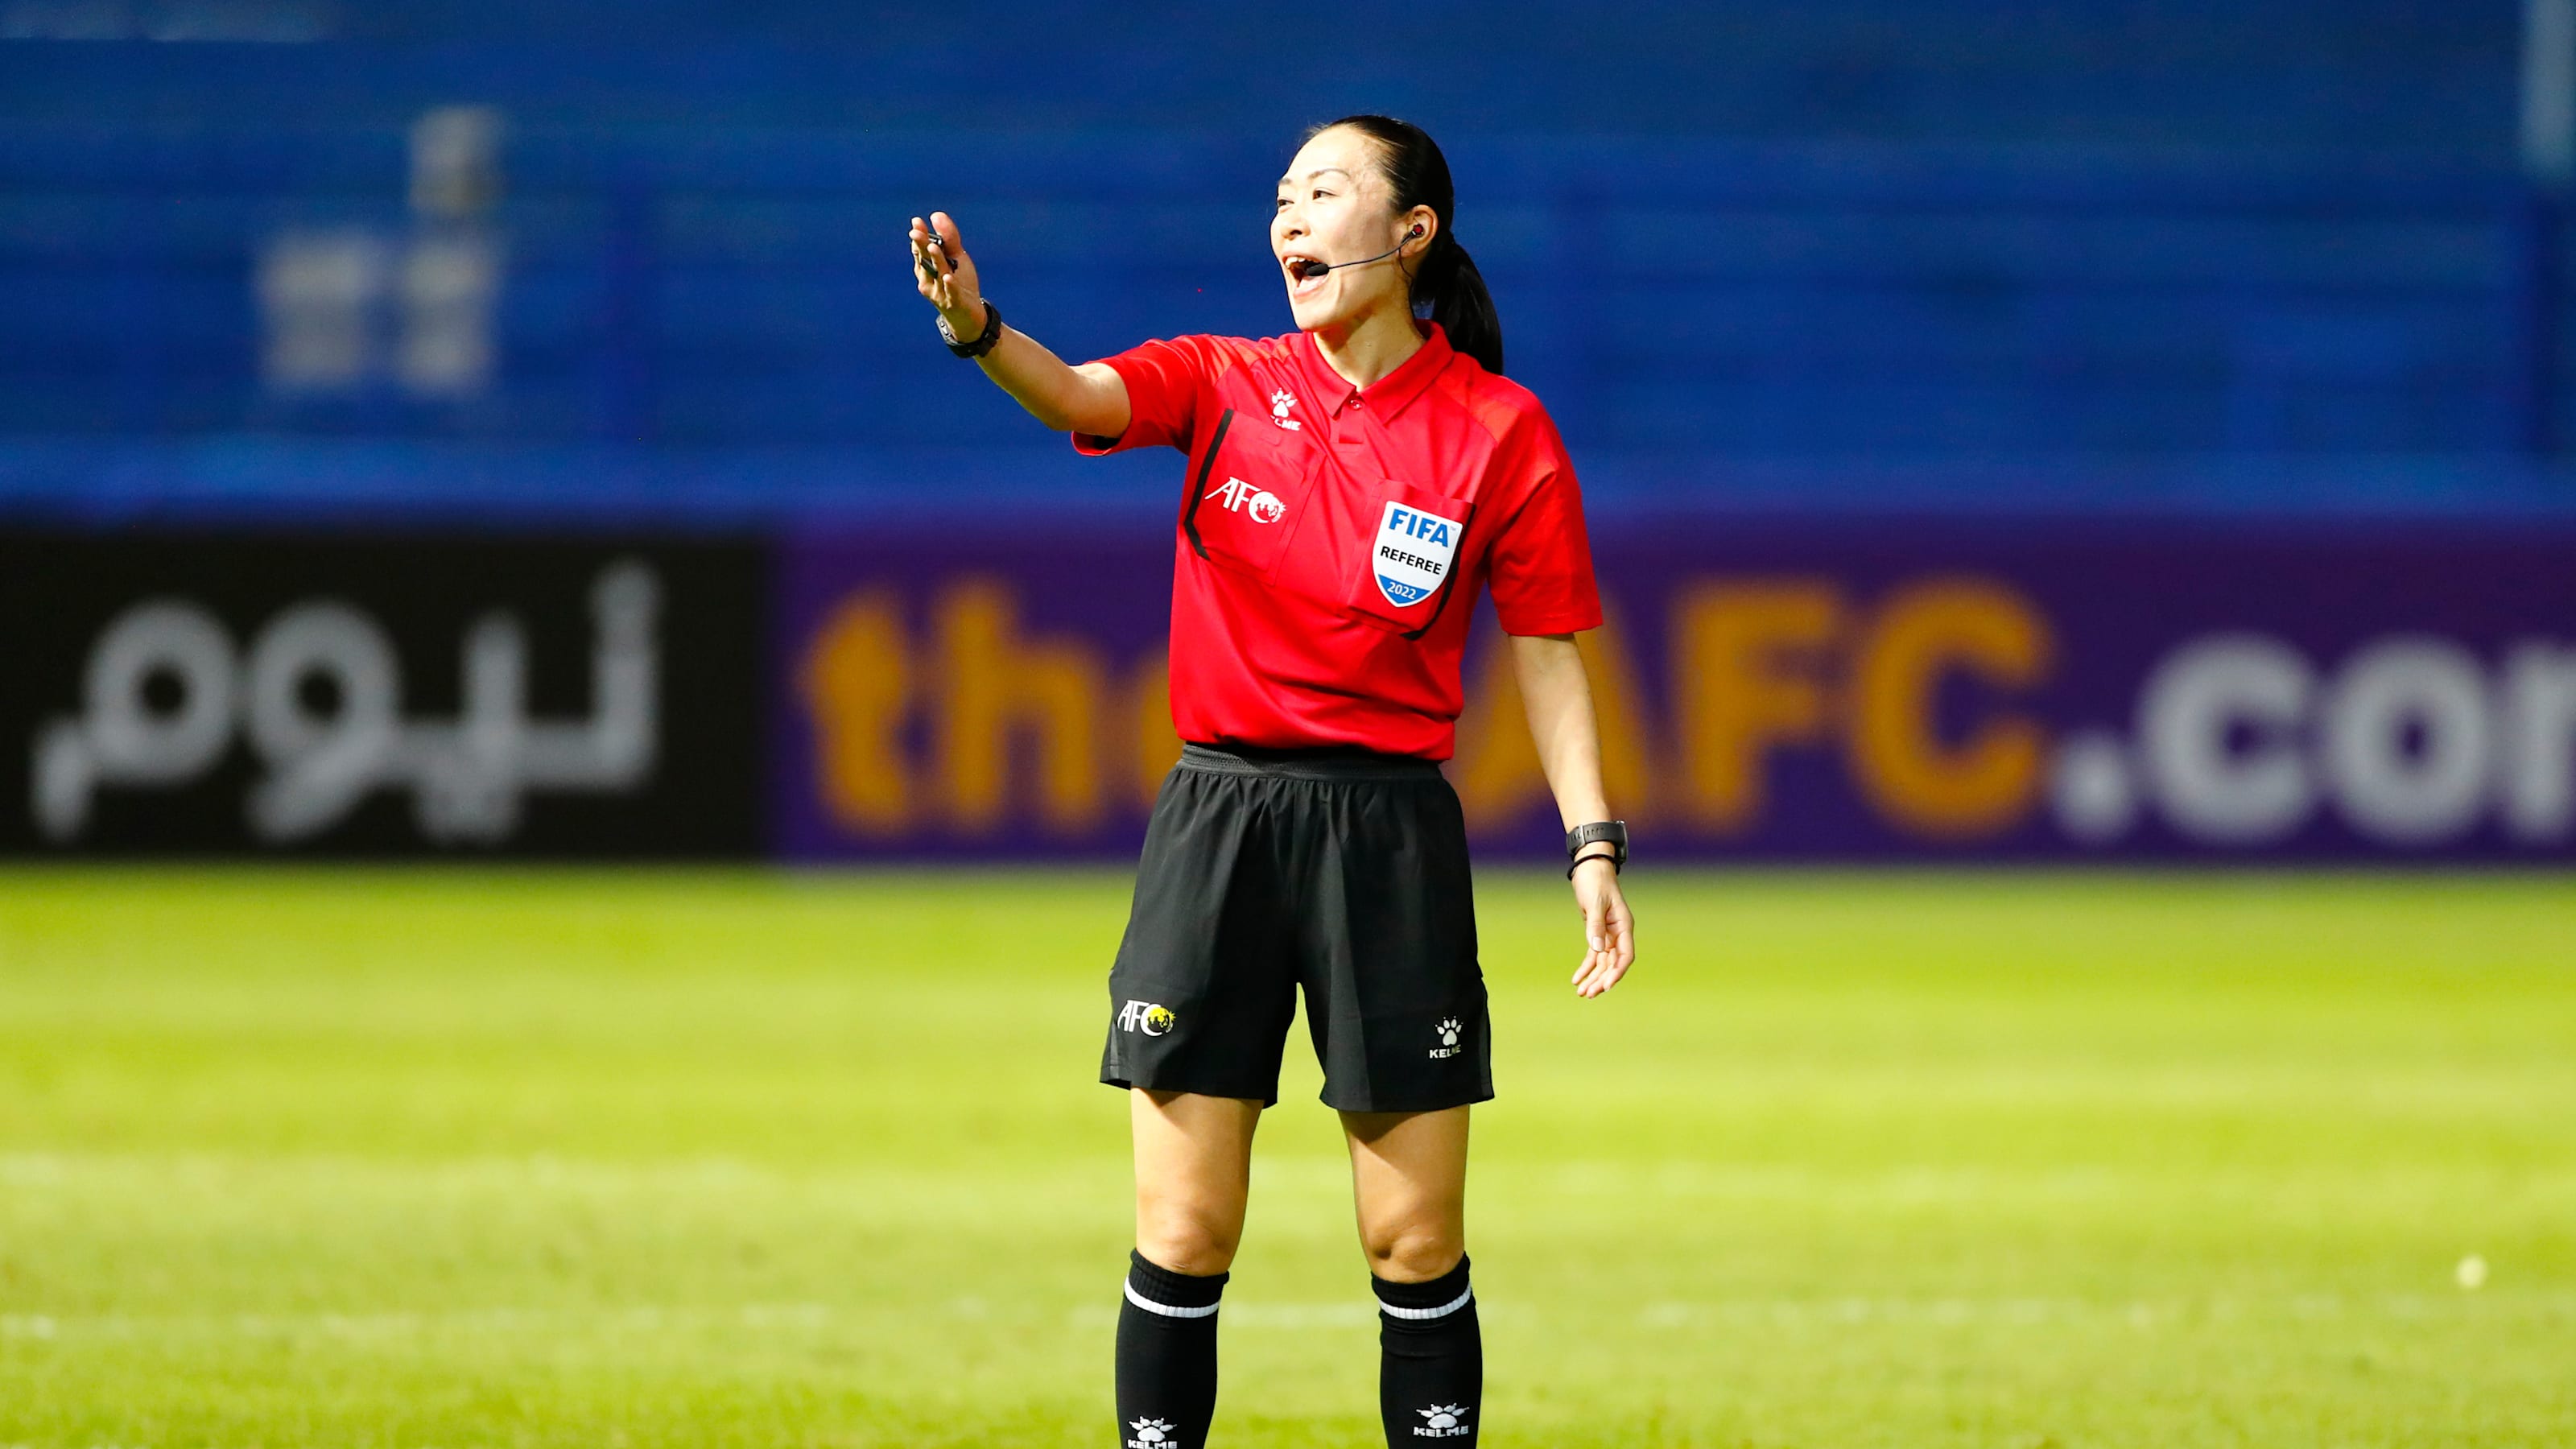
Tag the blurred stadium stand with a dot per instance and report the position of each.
(641, 261)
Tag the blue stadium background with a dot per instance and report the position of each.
(2260, 257)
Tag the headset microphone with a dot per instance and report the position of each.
(1313, 269)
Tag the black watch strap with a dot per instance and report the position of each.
(1613, 833)
(984, 340)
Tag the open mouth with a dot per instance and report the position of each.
(1299, 284)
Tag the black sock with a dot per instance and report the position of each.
(1431, 1361)
(1166, 1357)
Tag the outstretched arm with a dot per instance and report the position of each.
(1091, 398)
(1557, 695)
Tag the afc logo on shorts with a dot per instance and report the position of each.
(1148, 1017)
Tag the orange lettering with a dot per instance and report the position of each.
(856, 682)
(992, 683)
(1497, 772)
(1982, 785)
(1747, 666)
(1149, 711)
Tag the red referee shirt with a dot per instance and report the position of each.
(1332, 539)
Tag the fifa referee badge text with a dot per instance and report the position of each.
(1413, 550)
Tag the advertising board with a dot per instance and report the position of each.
(1792, 689)
(213, 694)
(1805, 689)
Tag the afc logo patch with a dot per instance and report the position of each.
(1261, 503)
(1151, 1018)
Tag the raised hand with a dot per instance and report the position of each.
(1089, 399)
(945, 275)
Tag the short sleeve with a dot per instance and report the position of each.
(1540, 567)
(1163, 382)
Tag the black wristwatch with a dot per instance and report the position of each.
(1613, 831)
(984, 340)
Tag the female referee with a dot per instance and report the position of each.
(1349, 487)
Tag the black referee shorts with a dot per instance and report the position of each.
(1343, 871)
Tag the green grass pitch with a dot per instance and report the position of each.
(436, 1161)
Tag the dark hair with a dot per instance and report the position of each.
(1447, 285)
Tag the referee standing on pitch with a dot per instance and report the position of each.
(1349, 487)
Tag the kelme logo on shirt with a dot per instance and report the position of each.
(1263, 505)
(1280, 402)
(1413, 553)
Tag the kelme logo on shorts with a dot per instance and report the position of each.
(1448, 1029)
(1147, 1017)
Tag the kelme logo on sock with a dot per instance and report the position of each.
(1442, 1421)
(1152, 1434)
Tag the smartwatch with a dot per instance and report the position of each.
(1615, 832)
(984, 340)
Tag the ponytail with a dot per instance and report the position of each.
(1446, 286)
(1458, 301)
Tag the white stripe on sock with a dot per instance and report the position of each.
(1443, 1311)
(1167, 1310)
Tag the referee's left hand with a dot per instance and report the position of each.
(1609, 933)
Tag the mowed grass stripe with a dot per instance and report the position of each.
(560, 1158)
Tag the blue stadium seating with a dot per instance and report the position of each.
(1868, 235)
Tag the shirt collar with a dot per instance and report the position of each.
(1385, 397)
